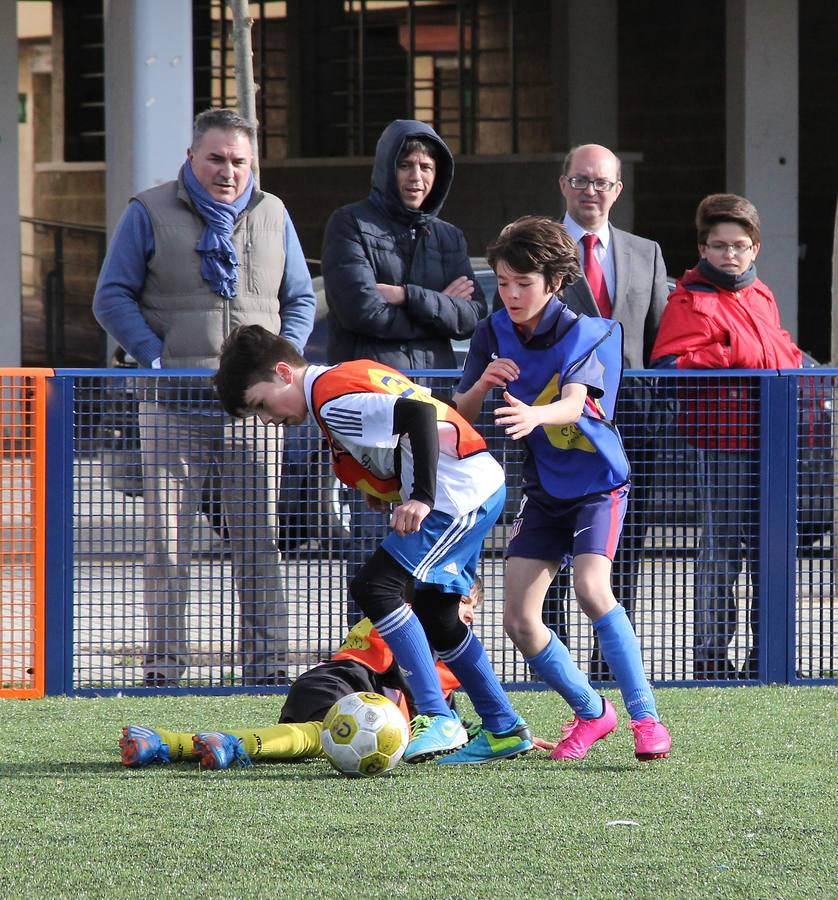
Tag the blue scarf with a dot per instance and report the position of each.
(218, 256)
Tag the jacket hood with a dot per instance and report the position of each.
(384, 193)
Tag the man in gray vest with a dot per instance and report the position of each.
(189, 261)
(625, 279)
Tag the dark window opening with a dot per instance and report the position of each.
(330, 75)
(84, 82)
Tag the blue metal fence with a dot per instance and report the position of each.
(780, 492)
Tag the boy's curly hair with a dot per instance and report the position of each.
(537, 244)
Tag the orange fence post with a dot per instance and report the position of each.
(22, 530)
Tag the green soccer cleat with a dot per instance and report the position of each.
(487, 746)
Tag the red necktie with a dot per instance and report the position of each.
(595, 276)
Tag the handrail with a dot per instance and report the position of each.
(56, 223)
(59, 264)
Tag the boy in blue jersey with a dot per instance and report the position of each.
(560, 374)
(398, 445)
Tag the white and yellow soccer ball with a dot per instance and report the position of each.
(364, 734)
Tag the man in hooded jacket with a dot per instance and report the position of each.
(399, 285)
(398, 281)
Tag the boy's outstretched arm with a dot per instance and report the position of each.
(498, 373)
(519, 419)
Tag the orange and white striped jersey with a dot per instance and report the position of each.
(353, 404)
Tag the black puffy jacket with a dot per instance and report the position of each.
(380, 240)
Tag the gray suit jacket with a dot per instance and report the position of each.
(641, 295)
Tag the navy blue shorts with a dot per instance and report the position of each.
(565, 528)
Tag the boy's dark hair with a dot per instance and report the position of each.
(249, 355)
(537, 244)
(716, 209)
(220, 117)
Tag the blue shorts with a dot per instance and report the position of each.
(564, 529)
(444, 552)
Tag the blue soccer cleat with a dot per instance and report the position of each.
(486, 746)
(433, 736)
(141, 746)
(218, 750)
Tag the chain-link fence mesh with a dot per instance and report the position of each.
(688, 568)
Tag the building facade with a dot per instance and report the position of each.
(726, 95)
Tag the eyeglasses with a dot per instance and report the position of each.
(580, 183)
(738, 247)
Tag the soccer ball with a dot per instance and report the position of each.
(364, 734)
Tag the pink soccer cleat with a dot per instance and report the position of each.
(651, 738)
(581, 734)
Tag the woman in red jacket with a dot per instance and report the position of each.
(721, 316)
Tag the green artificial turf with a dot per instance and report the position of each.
(746, 806)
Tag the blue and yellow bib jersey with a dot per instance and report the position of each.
(563, 461)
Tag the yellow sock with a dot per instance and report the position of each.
(180, 744)
(287, 741)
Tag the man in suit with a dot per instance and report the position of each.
(625, 279)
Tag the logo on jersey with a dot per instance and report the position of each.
(562, 437)
(403, 387)
(359, 637)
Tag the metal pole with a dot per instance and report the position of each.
(410, 105)
(513, 80)
(361, 110)
(833, 349)
(245, 85)
(461, 76)
(55, 302)
(834, 362)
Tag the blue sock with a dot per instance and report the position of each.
(557, 670)
(621, 650)
(406, 638)
(468, 661)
